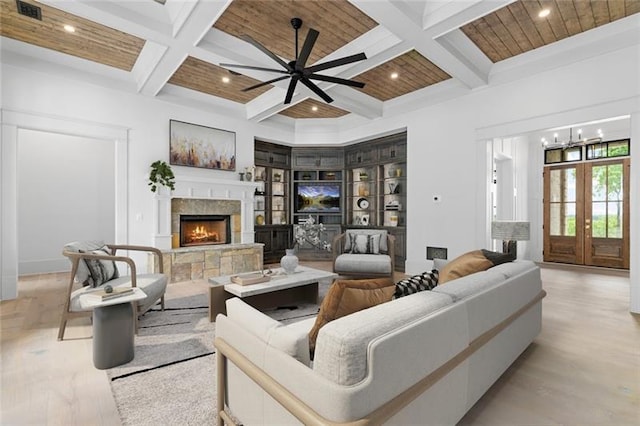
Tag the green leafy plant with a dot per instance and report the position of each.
(161, 174)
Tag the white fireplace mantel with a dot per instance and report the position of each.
(204, 189)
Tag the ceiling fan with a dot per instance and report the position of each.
(296, 69)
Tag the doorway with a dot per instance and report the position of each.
(586, 213)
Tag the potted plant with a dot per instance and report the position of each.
(161, 174)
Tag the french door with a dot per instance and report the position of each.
(586, 213)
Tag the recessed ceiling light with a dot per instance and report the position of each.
(69, 28)
(544, 13)
(226, 79)
(394, 75)
(314, 108)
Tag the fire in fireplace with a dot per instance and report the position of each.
(196, 230)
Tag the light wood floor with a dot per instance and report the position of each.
(583, 369)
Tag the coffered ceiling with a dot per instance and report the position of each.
(418, 52)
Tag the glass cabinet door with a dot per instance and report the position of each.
(279, 184)
(393, 181)
(361, 196)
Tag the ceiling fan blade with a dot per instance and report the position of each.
(255, 86)
(267, 52)
(292, 87)
(251, 67)
(331, 79)
(309, 42)
(336, 63)
(311, 85)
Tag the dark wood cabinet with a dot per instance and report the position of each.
(317, 158)
(359, 155)
(272, 155)
(271, 201)
(276, 239)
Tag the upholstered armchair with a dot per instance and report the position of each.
(93, 265)
(364, 252)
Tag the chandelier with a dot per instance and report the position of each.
(556, 143)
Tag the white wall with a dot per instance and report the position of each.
(446, 142)
(66, 191)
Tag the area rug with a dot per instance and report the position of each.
(172, 379)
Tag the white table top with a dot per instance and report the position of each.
(92, 302)
(279, 281)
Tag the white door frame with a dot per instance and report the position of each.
(12, 122)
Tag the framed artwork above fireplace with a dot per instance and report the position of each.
(194, 145)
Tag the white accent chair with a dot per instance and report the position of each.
(154, 285)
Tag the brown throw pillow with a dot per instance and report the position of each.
(472, 262)
(348, 296)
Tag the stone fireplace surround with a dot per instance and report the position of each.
(206, 196)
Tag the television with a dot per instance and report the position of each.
(317, 198)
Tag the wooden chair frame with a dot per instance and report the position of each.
(75, 258)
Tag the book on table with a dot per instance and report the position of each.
(102, 295)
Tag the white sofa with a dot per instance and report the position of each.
(421, 359)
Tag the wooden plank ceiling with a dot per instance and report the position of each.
(205, 77)
(90, 40)
(305, 109)
(517, 28)
(269, 22)
(413, 70)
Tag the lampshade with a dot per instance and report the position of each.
(510, 230)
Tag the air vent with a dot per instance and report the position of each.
(29, 10)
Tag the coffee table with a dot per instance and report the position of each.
(281, 289)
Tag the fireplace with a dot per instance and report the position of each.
(197, 230)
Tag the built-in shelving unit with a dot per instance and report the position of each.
(362, 185)
(272, 199)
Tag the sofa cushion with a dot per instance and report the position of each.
(289, 340)
(356, 263)
(384, 248)
(348, 296)
(468, 285)
(472, 262)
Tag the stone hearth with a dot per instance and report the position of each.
(195, 263)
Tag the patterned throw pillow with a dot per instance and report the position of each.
(365, 243)
(424, 281)
(100, 270)
(384, 249)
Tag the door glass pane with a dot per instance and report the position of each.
(614, 219)
(555, 177)
(599, 183)
(563, 219)
(599, 219)
(554, 217)
(614, 182)
(569, 184)
(569, 220)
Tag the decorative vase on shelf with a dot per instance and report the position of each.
(289, 261)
